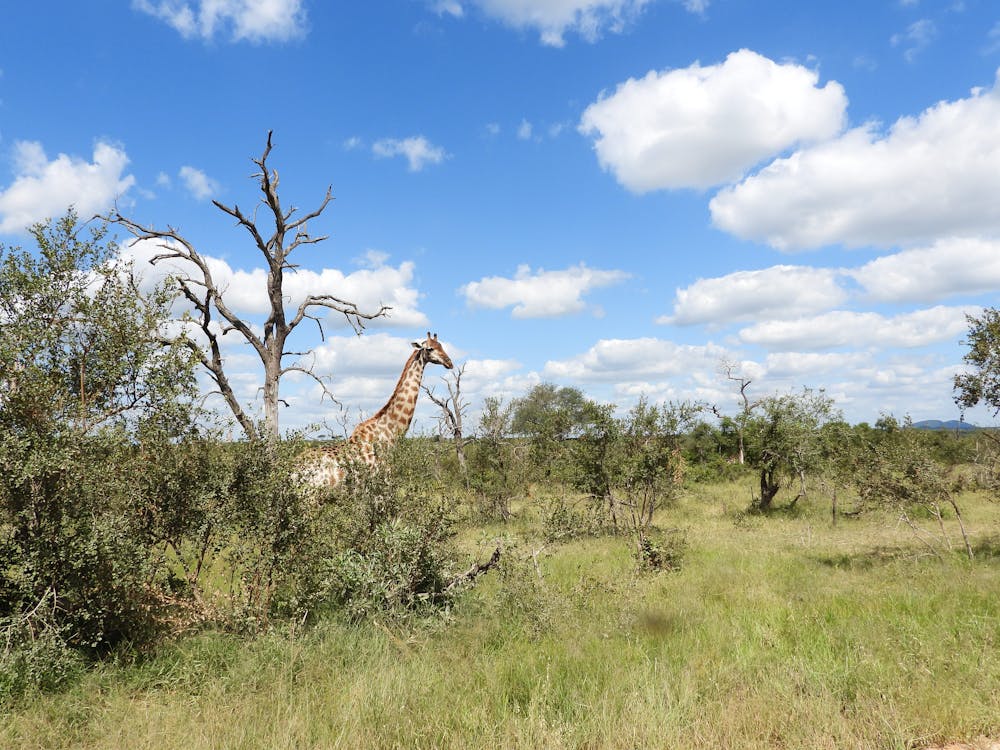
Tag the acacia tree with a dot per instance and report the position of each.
(981, 383)
(784, 441)
(548, 415)
(214, 317)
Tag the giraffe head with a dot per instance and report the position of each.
(432, 351)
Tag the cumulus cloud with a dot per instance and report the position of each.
(795, 365)
(698, 126)
(418, 151)
(948, 267)
(243, 20)
(552, 19)
(631, 360)
(928, 177)
(43, 189)
(776, 292)
(199, 184)
(541, 293)
(374, 354)
(860, 330)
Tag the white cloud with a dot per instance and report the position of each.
(419, 152)
(860, 330)
(930, 176)
(917, 37)
(485, 370)
(524, 130)
(794, 365)
(541, 293)
(250, 20)
(374, 354)
(700, 126)
(45, 189)
(554, 18)
(199, 184)
(776, 292)
(632, 360)
(949, 267)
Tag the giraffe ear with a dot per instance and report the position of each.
(416, 344)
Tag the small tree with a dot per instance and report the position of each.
(785, 440)
(595, 460)
(196, 284)
(897, 472)
(740, 421)
(85, 380)
(496, 471)
(981, 383)
(547, 416)
(650, 472)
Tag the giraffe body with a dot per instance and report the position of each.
(327, 466)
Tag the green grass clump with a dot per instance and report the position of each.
(776, 632)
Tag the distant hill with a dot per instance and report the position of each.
(937, 424)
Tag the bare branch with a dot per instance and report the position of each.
(349, 309)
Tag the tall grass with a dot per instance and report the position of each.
(778, 632)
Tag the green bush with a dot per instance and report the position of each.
(562, 519)
(391, 540)
(661, 549)
(75, 537)
(34, 655)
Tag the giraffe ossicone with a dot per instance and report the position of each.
(328, 465)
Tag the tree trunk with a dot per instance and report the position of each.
(768, 488)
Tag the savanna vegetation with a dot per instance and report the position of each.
(564, 575)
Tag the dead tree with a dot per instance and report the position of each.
(214, 318)
(730, 371)
(453, 409)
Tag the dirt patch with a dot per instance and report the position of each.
(982, 743)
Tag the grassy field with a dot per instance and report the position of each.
(778, 632)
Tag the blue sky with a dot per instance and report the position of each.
(618, 195)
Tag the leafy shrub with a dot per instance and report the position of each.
(275, 538)
(897, 473)
(562, 520)
(522, 597)
(34, 655)
(391, 546)
(661, 549)
(74, 537)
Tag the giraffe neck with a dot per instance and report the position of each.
(393, 419)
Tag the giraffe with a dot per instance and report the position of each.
(326, 466)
